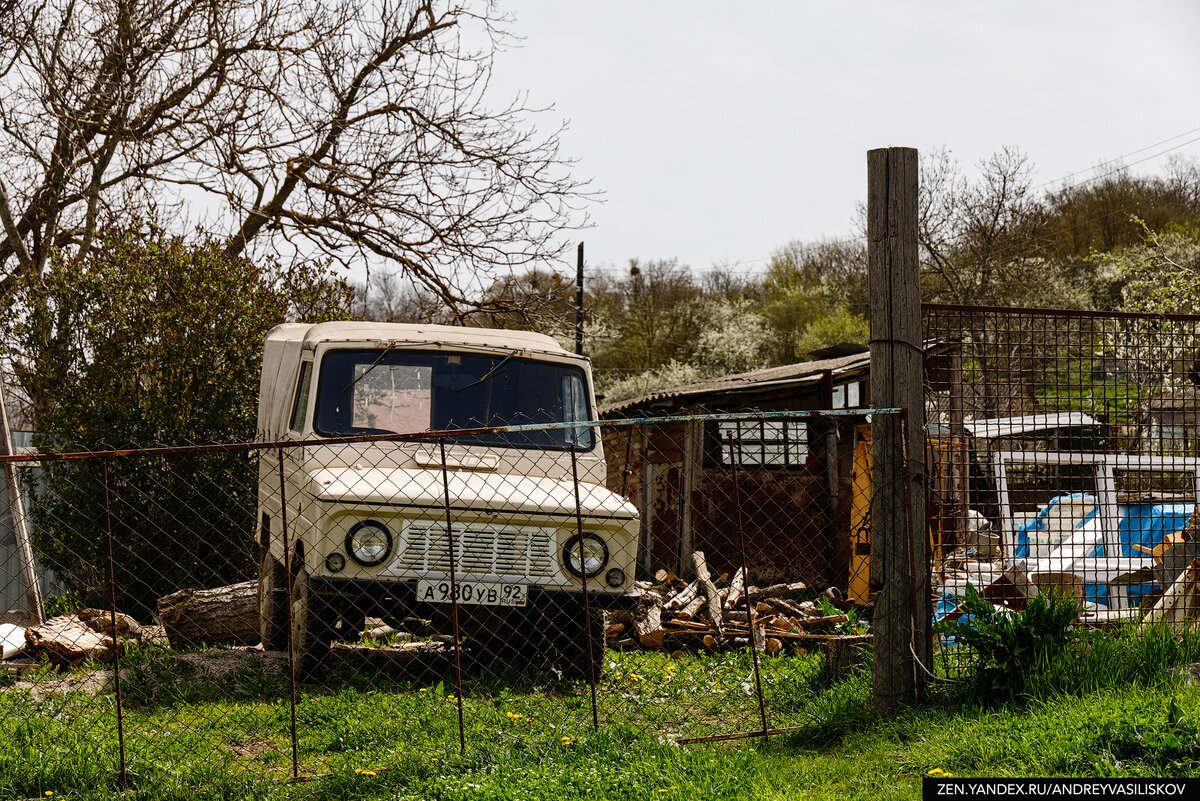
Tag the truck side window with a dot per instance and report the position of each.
(300, 404)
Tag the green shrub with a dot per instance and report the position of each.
(151, 340)
(1009, 650)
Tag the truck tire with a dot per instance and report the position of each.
(568, 629)
(313, 622)
(272, 602)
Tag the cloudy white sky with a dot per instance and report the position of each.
(718, 131)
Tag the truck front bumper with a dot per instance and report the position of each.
(404, 593)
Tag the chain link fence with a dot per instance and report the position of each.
(303, 607)
(1063, 457)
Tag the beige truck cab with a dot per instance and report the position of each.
(366, 522)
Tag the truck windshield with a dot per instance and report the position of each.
(404, 391)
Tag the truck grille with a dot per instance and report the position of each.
(510, 551)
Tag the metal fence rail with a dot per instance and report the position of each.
(296, 608)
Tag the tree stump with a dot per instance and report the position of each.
(845, 654)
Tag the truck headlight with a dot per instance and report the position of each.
(369, 543)
(595, 556)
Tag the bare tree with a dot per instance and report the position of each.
(359, 132)
(976, 236)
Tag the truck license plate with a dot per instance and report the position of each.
(481, 593)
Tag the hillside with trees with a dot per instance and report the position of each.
(991, 236)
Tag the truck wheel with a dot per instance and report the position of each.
(313, 623)
(568, 632)
(272, 602)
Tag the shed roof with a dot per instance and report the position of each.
(844, 368)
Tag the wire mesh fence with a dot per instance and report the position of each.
(1063, 459)
(365, 602)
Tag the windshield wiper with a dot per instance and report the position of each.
(376, 363)
(490, 374)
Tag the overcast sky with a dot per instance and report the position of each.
(719, 131)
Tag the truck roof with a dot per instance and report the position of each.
(388, 333)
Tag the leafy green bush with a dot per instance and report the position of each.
(1009, 650)
(151, 340)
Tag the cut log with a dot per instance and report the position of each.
(742, 616)
(845, 654)
(693, 625)
(775, 590)
(663, 576)
(736, 587)
(220, 616)
(689, 611)
(774, 645)
(710, 641)
(647, 626)
(68, 640)
(710, 592)
(830, 620)
(102, 621)
(788, 608)
(684, 597)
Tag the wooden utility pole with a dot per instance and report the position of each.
(898, 541)
(16, 510)
(579, 301)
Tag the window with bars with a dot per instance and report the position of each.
(764, 443)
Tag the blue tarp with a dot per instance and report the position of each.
(1143, 524)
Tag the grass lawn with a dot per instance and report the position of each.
(368, 734)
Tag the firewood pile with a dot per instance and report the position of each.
(714, 614)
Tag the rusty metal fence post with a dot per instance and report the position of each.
(462, 736)
(593, 671)
(112, 599)
(735, 456)
(291, 632)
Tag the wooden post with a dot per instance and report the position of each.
(898, 541)
(16, 507)
(826, 430)
(690, 475)
(579, 301)
(960, 470)
(646, 492)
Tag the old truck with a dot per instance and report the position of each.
(357, 527)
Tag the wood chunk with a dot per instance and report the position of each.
(663, 576)
(67, 639)
(684, 597)
(710, 592)
(775, 590)
(786, 607)
(689, 611)
(647, 626)
(710, 641)
(847, 653)
(102, 621)
(774, 645)
(829, 620)
(219, 616)
(736, 587)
